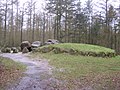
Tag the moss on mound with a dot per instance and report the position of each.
(78, 49)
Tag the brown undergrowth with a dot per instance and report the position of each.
(10, 72)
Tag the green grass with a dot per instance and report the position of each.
(8, 63)
(80, 65)
(70, 67)
(83, 47)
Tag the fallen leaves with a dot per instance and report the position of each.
(8, 75)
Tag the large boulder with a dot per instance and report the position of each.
(26, 44)
(36, 44)
(6, 50)
(25, 50)
(51, 41)
(46, 49)
(57, 50)
(73, 52)
(15, 50)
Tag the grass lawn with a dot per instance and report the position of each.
(80, 71)
(10, 71)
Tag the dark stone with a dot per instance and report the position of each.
(27, 45)
(6, 50)
(45, 50)
(56, 50)
(15, 50)
(73, 52)
(25, 50)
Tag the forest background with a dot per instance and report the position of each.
(71, 21)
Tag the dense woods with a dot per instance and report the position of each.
(64, 20)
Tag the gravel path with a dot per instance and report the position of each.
(37, 75)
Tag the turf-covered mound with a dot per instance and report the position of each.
(78, 49)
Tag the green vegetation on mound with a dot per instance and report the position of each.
(83, 47)
(10, 71)
(78, 49)
(81, 71)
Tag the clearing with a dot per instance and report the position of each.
(65, 71)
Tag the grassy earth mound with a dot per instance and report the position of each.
(10, 71)
(78, 49)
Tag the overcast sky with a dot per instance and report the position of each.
(39, 3)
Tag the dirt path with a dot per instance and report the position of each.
(37, 75)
